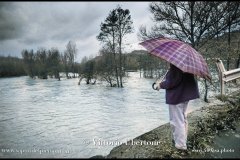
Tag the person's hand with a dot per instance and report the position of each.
(158, 86)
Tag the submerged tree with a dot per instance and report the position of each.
(42, 63)
(115, 27)
(105, 67)
(108, 35)
(65, 62)
(124, 27)
(29, 65)
(69, 57)
(54, 59)
(11, 66)
(87, 71)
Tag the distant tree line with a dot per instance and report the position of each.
(51, 62)
(11, 66)
(42, 63)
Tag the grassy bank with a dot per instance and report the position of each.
(206, 125)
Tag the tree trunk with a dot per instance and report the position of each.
(115, 61)
(206, 91)
(120, 60)
(238, 60)
(116, 69)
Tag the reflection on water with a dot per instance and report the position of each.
(50, 118)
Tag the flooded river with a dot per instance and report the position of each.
(61, 119)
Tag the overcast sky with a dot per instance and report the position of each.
(32, 25)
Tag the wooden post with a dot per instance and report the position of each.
(222, 83)
(221, 69)
(225, 76)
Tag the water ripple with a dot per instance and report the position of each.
(61, 114)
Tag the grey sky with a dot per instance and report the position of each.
(31, 25)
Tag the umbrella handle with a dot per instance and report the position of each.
(153, 86)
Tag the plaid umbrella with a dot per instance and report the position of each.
(180, 54)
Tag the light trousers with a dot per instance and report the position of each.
(179, 124)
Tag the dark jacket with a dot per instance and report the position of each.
(180, 87)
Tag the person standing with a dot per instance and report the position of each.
(180, 89)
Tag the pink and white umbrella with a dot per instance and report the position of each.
(180, 54)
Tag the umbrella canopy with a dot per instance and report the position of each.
(178, 53)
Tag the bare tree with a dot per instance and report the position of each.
(87, 71)
(115, 27)
(104, 66)
(108, 35)
(124, 26)
(192, 21)
(41, 63)
(29, 65)
(233, 11)
(65, 61)
(71, 53)
(54, 62)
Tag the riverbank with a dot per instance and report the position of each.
(213, 132)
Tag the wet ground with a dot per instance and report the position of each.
(226, 144)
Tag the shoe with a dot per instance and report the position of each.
(181, 148)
